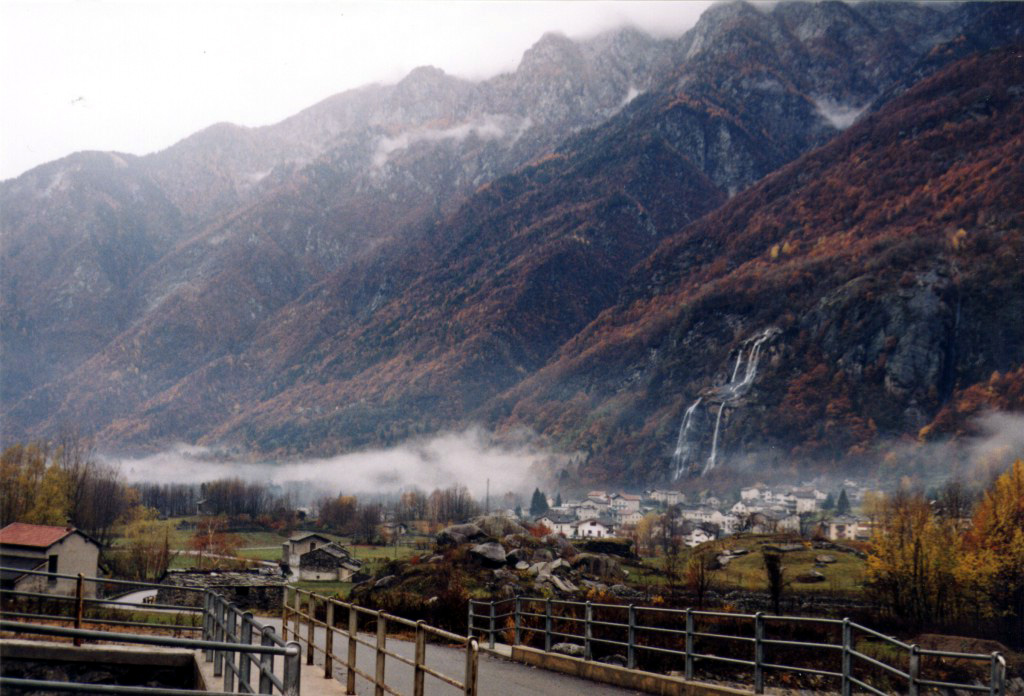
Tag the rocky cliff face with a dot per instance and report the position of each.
(544, 249)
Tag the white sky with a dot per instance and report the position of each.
(139, 76)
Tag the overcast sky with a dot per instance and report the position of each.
(139, 76)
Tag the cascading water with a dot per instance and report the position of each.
(683, 459)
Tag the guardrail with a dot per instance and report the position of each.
(754, 643)
(227, 638)
(350, 633)
(80, 603)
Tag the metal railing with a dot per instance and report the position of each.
(753, 643)
(227, 637)
(350, 634)
(80, 604)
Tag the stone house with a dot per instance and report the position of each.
(50, 549)
(250, 590)
(300, 543)
(328, 562)
(668, 498)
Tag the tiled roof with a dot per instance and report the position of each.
(36, 535)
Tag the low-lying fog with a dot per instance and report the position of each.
(469, 458)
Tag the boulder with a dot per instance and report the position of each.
(490, 554)
(459, 534)
(543, 555)
(616, 660)
(522, 565)
(385, 582)
(516, 556)
(561, 584)
(598, 564)
(570, 649)
(498, 526)
(811, 576)
(825, 558)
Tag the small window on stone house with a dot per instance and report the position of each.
(51, 567)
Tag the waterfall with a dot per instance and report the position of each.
(739, 361)
(714, 442)
(680, 458)
(725, 394)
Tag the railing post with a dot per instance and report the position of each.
(472, 659)
(79, 605)
(284, 614)
(292, 669)
(758, 653)
(547, 625)
(229, 637)
(218, 635)
(309, 628)
(208, 622)
(998, 686)
(353, 627)
(913, 670)
(245, 659)
(689, 645)
(588, 630)
(469, 619)
(382, 638)
(329, 641)
(516, 617)
(847, 685)
(490, 629)
(631, 638)
(419, 660)
(266, 660)
(297, 615)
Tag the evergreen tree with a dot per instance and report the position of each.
(519, 511)
(843, 505)
(538, 503)
(830, 502)
(558, 500)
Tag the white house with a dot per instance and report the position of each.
(625, 502)
(697, 536)
(751, 493)
(592, 529)
(668, 498)
(47, 549)
(843, 527)
(629, 518)
(712, 502)
(590, 508)
(559, 524)
(806, 503)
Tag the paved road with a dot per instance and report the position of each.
(498, 677)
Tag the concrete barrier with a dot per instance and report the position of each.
(647, 682)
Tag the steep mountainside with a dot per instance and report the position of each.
(399, 260)
(882, 271)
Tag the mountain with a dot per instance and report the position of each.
(584, 247)
(883, 270)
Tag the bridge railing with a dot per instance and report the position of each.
(227, 635)
(856, 657)
(310, 620)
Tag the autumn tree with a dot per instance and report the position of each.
(911, 568)
(213, 543)
(994, 553)
(698, 576)
(146, 552)
(32, 486)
